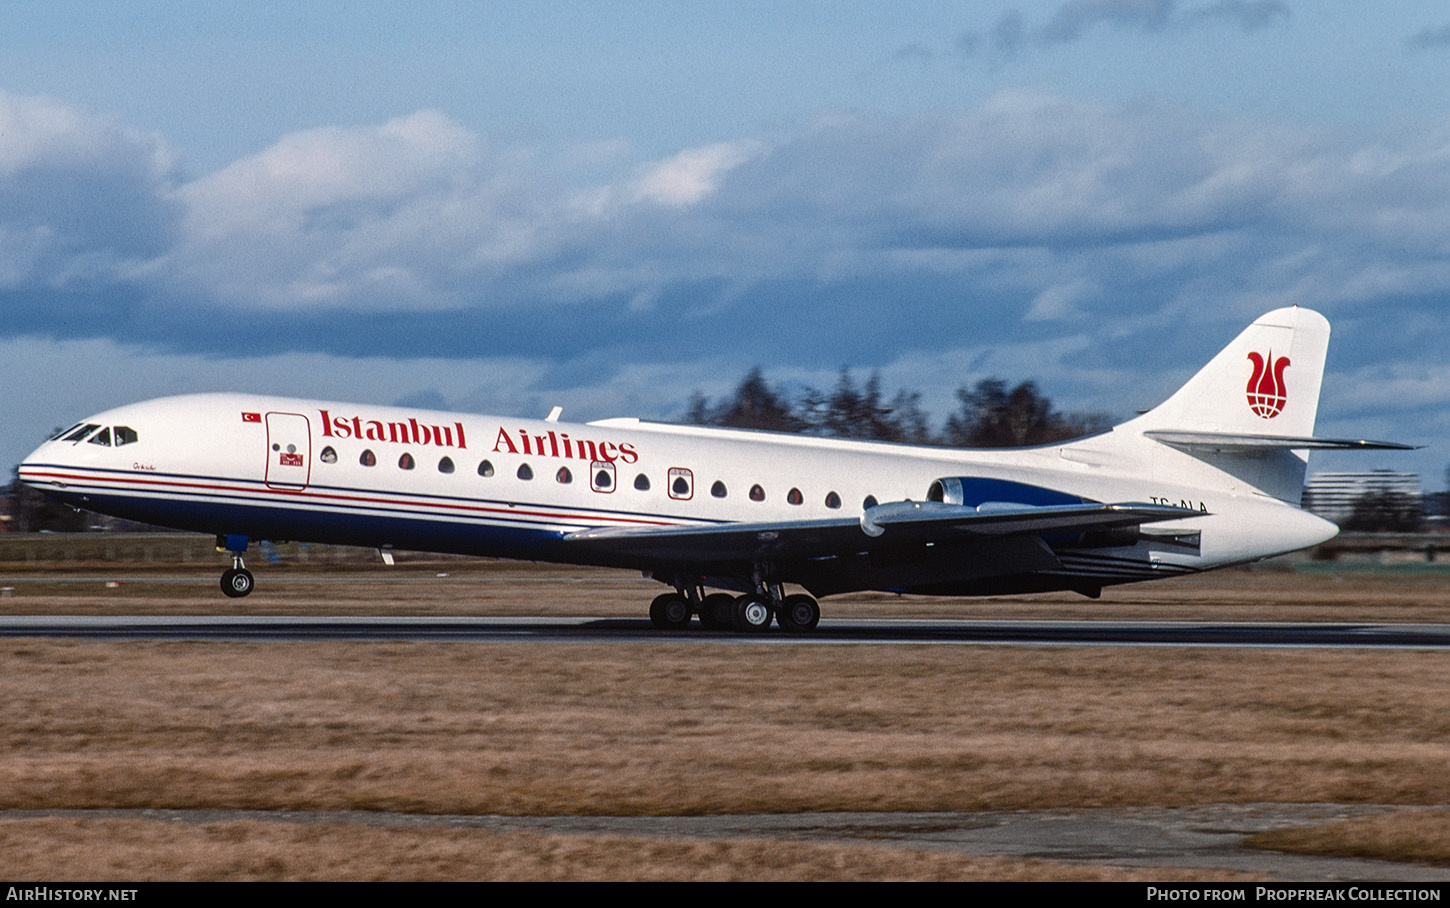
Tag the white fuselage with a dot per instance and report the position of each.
(278, 468)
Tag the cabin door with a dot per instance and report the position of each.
(289, 451)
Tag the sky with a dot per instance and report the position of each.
(501, 207)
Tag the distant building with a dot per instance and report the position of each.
(1334, 496)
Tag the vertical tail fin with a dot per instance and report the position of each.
(1233, 423)
(1266, 382)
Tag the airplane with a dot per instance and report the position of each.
(1209, 478)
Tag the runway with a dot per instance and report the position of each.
(630, 630)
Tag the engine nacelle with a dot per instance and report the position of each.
(976, 491)
(987, 495)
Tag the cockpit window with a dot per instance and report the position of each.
(82, 432)
(97, 434)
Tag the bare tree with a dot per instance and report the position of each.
(1385, 511)
(755, 405)
(990, 414)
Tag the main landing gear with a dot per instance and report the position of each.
(751, 613)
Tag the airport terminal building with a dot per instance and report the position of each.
(1334, 496)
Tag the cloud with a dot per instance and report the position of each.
(873, 240)
(915, 51)
(1429, 38)
(1007, 35)
(322, 169)
(1074, 21)
(83, 197)
(389, 216)
(1060, 301)
(691, 175)
(1249, 15)
(420, 214)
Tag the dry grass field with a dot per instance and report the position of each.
(142, 850)
(1421, 836)
(686, 729)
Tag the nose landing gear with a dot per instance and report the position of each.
(237, 582)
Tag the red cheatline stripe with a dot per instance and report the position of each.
(359, 499)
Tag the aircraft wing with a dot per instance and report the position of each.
(881, 527)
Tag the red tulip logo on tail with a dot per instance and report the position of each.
(1266, 386)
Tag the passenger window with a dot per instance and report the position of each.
(406, 461)
(794, 496)
(718, 489)
(601, 476)
(870, 502)
(833, 500)
(125, 435)
(485, 468)
(682, 483)
(445, 465)
(757, 493)
(328, 455)
(102, 437)
(525, 471)
(563, 477)
(367, 458)
(641, 482)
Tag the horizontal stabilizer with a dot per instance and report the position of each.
(1232, 443)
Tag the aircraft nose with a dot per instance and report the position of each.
(30, 467)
